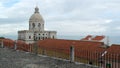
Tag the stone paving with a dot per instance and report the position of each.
(10, 58)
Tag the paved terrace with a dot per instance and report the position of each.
(10, 58)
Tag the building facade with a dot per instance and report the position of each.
(36, 30)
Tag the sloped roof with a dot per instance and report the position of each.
(99, 38)
(87, 37)
(81, 47)
(114, 49)
(91, 38)
(8, 42)
(64, 43)
(113, 52)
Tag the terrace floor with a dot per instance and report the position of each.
(10, 58)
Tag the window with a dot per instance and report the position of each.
(43, 38)
(33, 24)
(34, 37)
(39, 25)
(53, 37)
(29, 37)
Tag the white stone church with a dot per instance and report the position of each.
(36, 30)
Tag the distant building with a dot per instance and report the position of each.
(97, 39)
(36, 29)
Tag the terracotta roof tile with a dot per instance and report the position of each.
(91, 38)
(87, 37)
(81, 47)
(99, 38)
(113, 52)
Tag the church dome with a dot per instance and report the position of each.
(36, 17)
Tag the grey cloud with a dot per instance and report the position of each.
(70, 12)
(11, 20)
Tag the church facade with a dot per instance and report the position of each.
(36, 30)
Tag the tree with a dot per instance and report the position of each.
(2, 37)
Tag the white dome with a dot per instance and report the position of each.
(36, 17)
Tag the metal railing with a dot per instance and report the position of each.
(108, 60)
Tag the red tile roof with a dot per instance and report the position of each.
(91, 38)
(114, 49)
(81, 47)
(87, 37)
(113, 52)
(85, 49)
(8, 42)
(21, 45)
(99, 38)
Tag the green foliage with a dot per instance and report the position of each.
(2, 37)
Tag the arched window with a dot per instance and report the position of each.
(29, 37)
(33, 24)
(43, 38)
(39, 38)
(34, 37)
(39, 25)
(53, 37)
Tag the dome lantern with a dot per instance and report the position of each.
(36, 10)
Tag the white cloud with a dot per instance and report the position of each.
(77, 16)
(108, 21)
(12, 29)
(78, 27)
(117, 28)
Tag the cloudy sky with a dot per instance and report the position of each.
(67, 17)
